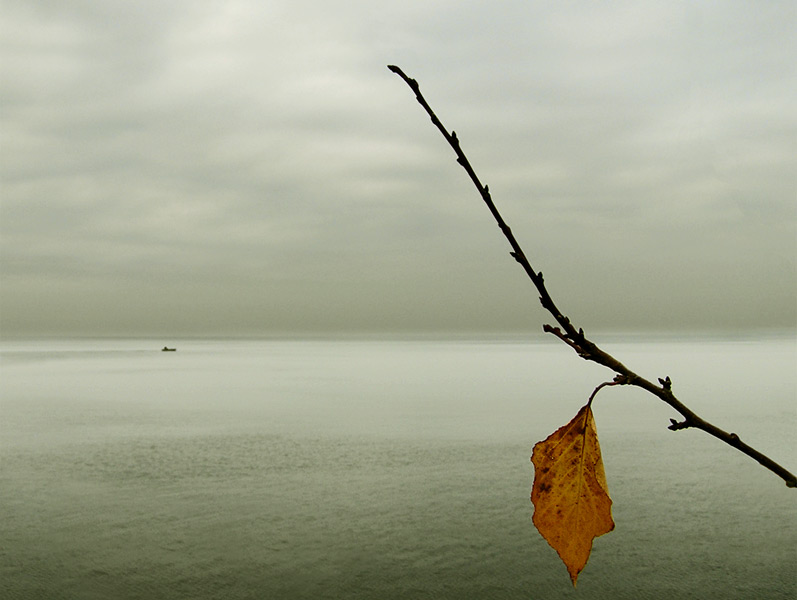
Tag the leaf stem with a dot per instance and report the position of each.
(617, 381)
(576, 339)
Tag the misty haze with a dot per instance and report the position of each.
(260, 337)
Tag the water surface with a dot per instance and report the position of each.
(381, 469)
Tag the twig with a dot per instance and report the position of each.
(574, 338)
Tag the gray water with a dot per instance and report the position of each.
(381, 469)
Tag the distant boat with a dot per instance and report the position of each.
(165, 349)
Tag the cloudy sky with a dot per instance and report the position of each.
(190, 167)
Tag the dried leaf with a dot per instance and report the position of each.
(571, 501)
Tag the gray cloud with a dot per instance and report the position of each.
(247, 167)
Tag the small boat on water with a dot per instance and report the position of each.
(166, 349)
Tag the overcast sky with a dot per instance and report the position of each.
(248, 166)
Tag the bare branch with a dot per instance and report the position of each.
(575, 338)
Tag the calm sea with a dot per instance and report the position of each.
(352, 469)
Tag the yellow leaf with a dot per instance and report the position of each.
(571, 501)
